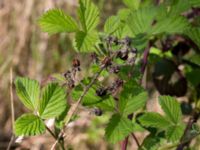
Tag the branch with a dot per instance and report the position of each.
(74, 107)
(193, 119)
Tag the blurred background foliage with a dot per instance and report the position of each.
(27, 51)
(30, 52)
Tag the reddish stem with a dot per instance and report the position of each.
(124, 144)
(145, 58)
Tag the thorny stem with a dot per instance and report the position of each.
(74, 107)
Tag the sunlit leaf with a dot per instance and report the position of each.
(56, 20)
(53, 101)
(29, 124)
(28, 92)
(85, 42)
(88, 15)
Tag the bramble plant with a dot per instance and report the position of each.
(162, 35)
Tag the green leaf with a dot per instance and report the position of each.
(194, 58)
(53, 101)
(59, 78)
(85, 42)
(179, 7)
(132, 4)
(108, 103)
(171, 24)
(29, 124)
(171, 107)
(137, 127)
(55, 21)
(194, 3)
(60, 120)
(155, 120)
(112, 24)
(91, 99)
(88, 15)
(140, 21)
(174, 133)
(28, 92)
(123, 14)
(132, 98)
(193, 76)
(118, 128)
(151, 142)
(194, 33)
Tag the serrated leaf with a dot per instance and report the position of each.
(171, 24)
(85, 42)
(28, 125)
(155, 120)
(91, 99)
(151, 142)
(108, 103)
(132, 98)
(88, 15)
(194, 34)
(53, 101)
(56, 20)
(180, 6)
(118, 128)
(137, 127)
(171, 107)
(28, 92)
(112, 24)
(174, 133)
(140, 21)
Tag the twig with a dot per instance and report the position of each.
(136, 140)
(52, 134)
(11, 99)
(10, 143)
(193, 119)
(74, 107)
(55, 137)
(12, 109)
